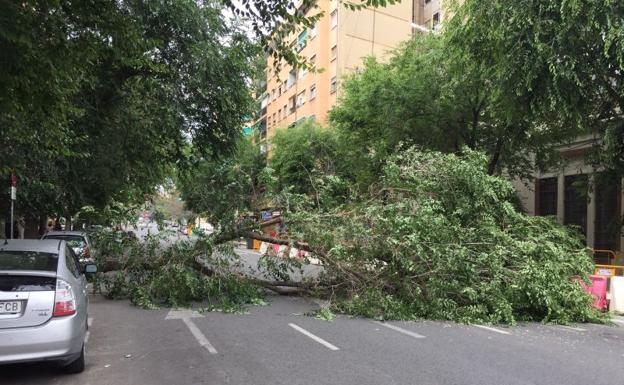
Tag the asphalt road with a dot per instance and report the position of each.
(279, 344)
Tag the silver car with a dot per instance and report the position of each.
(43, 303)
(77, 240)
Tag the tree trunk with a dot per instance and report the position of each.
(43, 224)
(31, 227)
(495, 158)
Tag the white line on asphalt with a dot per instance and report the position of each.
(400, 330)
(199, 336)
(312, 336)
(571, 328)
(492, 329)
(90, 321)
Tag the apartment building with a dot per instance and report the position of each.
(336, 46)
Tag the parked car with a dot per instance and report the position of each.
(43, 303)
(77, 240)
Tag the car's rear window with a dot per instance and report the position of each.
(26, 283)
(28, 260)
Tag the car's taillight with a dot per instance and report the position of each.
(64, 302)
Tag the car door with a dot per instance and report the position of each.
(79, 281)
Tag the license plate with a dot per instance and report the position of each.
(10, 307)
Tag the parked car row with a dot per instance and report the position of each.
(44, 304)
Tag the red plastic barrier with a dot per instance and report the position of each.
(598, 289)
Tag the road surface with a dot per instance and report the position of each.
(280, 344)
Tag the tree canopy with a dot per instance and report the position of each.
(99, 101)
(560, 61)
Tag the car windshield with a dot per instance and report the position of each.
(76, 242)
(28, 260)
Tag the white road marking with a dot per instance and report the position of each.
(90, 321)
(571, 328)
(400, 330)
(312, 336)
(186, 317)
(199, 336)
(492, 329)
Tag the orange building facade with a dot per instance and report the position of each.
(337, 45)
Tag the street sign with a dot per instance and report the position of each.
(13, 193)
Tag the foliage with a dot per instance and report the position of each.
(105, 98)
(303, 157)
(433, 94)
(540, 60)
(325, 314)
(151, 276)
(441, 239)
(222, 188)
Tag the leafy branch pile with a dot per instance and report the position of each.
(151, 275)
(440, 238)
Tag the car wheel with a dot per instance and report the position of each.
(78, 365)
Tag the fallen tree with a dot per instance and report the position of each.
(437, 238)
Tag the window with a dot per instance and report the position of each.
(436, 20)
(575, 201)
(333, 86)
(547, 196)
(70, 261)
(279, 90)
(301, 99)
(607, 224)
(273, 95)
(302, 72)
(313, 60)
(292, 78)
(334, 52)
(279, 114)
(312, 91)
(291, 105)
(274, 118)
(28, 260)
(313, 32)
(427, 1)
(334, 18)
(301, 40)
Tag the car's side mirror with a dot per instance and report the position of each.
(90, 268)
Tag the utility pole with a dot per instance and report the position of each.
(13, 197)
